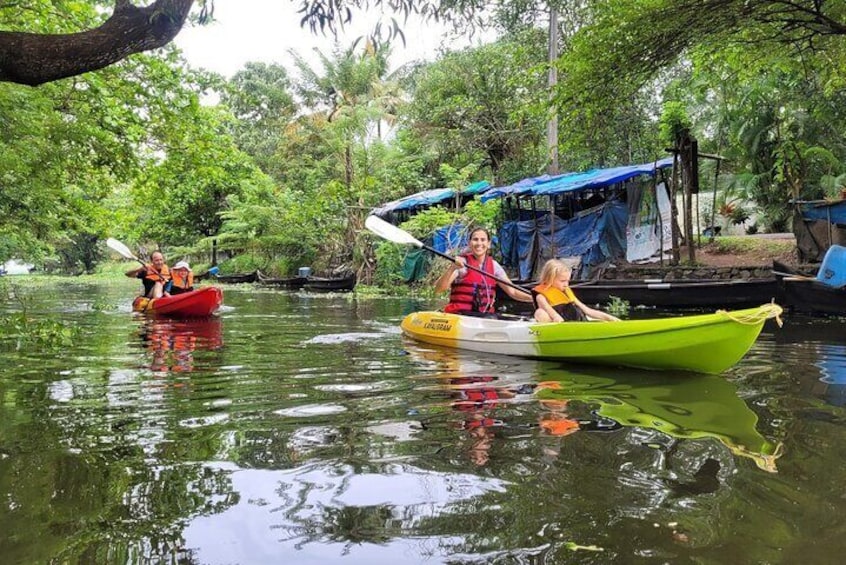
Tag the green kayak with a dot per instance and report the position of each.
(709, 343)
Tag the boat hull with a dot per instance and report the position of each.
(694, 293)
(198, 303)
(805, 294)
(709, 343)
(290, 283)
(320, 284)
(737, 293)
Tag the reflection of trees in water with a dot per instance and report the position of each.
(350, 525)
(105, 505)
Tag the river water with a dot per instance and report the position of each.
(304, 429)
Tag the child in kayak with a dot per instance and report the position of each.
(555, 299)
(182, 279)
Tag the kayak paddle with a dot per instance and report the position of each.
(115, 245)
(122, 249)
(392, 233)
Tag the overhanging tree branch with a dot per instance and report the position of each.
(34, 59)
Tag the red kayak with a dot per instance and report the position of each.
(195, 304)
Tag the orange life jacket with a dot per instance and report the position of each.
(563, 302)
(473, 292)
(182, 283)
(157, 276)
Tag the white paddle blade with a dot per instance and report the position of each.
(120, 248)
(390, 232)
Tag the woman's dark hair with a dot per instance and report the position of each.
(478, 228)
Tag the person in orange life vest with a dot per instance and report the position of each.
(471, 291)
(555, 299)
(182, 278)
(154, 275)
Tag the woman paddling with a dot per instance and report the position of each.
(472, 292)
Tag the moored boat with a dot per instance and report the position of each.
(690, 293)
(824, 293)
(195, 304)
(289, 283)
(238, 278)
(337, 284)
(806, 294)
(709, 343)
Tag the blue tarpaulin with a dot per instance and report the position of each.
(597, 238)
(429, 198)
(833, 212)
(595, 178)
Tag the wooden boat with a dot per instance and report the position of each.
(709, 343)
(321, 284)
(289, 283)
(733, 293)
(807, 294)
(824, 293)
(238, 278)
(691, 293)
(195, 304)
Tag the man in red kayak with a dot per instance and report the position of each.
(154, 275)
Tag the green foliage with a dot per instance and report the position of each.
(739, 245)
(423, 225)
(243, 263)
(618, 307)
(674, 122)
(478, 106)
(260, 98)
(22, 330)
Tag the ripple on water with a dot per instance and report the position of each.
(331, 339)
(310, 410)
(203, 421)
(355, 387)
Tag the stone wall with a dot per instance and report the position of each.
(667, 273)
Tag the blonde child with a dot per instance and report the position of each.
(556, 301)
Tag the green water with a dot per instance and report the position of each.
(305, 429)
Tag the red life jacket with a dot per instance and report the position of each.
(474, 292)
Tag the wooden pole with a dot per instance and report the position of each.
(674, 212)
(552, 124)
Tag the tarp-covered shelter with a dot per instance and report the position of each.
(445, 239)
(818, 224)
(420, 200)
(596, 217)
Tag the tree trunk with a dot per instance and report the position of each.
(34, 59)
(674, 212)
(688, 153)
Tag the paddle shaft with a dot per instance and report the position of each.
(794, 276)
(478, 270)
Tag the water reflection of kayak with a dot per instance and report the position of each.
(195, 304)
(695, 407)
(692, 408)
(709, 343)
(173, 342)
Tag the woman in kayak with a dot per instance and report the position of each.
(154, 275)
(472, 292)
(555, 299)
